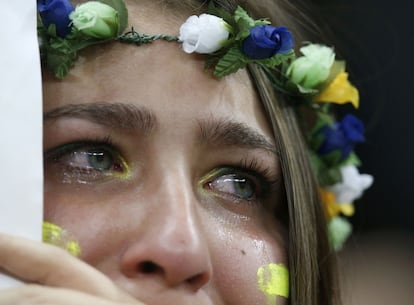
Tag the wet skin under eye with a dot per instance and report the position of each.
(93, 162)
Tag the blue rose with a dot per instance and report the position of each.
(342, 136)
(56, 12)
(265, 41)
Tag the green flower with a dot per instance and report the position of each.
(339, 229)
(313, 68)
(96, 19)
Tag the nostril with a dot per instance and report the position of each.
(148, 267)
(198, 280)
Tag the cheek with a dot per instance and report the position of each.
(90, 225)
(239, 259)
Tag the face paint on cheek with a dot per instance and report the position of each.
(56, 235)
(273, 281)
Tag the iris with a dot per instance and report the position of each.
(100, 160)
(85, 162)
(235, 184)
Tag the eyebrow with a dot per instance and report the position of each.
(233, 133)
(117, 116)
(128, 117)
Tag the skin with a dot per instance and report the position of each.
(160, 225)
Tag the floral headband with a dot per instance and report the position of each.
(231, 42)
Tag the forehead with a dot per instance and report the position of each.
(159, 76)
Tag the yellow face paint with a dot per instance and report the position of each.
(55, 235)
(273, 281)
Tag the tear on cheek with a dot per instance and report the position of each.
(273, 281)
(56, 235)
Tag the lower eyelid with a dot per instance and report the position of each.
(73, 173)
(260, 186)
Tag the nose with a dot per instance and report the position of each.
(170, 245)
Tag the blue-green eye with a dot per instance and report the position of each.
(237, 185)
(85, 162)
(100, 160)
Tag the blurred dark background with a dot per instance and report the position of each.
(376, 38)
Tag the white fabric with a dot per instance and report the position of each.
(21, 173)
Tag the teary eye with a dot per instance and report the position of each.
(93, 159)
(85, 162)
(238, 184)
(241, 186)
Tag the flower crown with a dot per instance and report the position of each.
(231, 42)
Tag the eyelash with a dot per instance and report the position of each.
(247, 168)
(255, 167)
(105, 145)
(250, 168)
(55, 153)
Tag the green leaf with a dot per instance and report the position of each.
(51, 30)
(317, 164)
(240, 15)
(227, 17)
(210, 62)
(330, 177)
(242, 34)
(326, 175)
(232, 61)
(60, 63)
(333, 158)
(261, 22)
(120, 7)
(298, 90)
(339, 229)
(322, 119)
(274, 61)
(304, 90)
(60, 56)
(316, 141)
(352, 160)
(243, 29)
(243, 23)
(83, 43)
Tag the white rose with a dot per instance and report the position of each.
(352, 186)
(203, 34)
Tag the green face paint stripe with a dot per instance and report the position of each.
(273, 280)
(56, 235)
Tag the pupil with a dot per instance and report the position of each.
(243, 187)
(241, 183)
(100, 160)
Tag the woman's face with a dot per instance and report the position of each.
(167, 177)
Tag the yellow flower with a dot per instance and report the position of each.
(333, 208)
(339, 91)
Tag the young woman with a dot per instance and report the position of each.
(175, 186)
